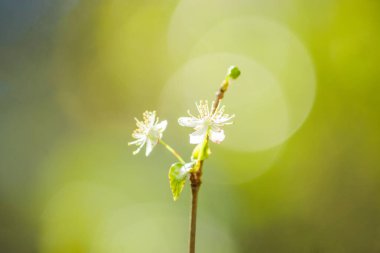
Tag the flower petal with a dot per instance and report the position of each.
(215, 128)
(189, 121)
(198, 136)
(217, 137)
(160, 127)
(149, 147)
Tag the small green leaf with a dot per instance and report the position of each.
(233, 72)
(201, 151)
(196, 151)
(177, 177)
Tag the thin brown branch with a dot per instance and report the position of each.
(196, 181)
(196, 177)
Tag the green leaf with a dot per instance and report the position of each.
(177, 177)
(201, 151)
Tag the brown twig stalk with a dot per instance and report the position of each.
(196, 177)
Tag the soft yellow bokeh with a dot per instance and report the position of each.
(297, 172)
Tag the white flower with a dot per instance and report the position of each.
(149, 131)
(207, 123)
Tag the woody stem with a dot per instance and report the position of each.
(196, 177)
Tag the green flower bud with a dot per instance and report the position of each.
(233, 72)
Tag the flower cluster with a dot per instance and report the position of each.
(208, 124)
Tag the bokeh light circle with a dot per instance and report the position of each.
(88, 217)
(189, 22)
(262, 117)
(275, 92)
(230, 167)
(257, 101)
(150, 227)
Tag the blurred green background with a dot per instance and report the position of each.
(298, 171)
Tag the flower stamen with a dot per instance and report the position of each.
(208, 123)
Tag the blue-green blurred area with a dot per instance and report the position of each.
(298, 171)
